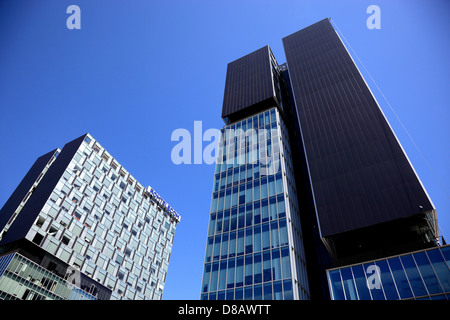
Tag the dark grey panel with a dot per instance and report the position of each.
(360, 175)
(248, 82)
(22, 189)
(30, 211)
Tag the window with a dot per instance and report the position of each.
(99, 244)
(65, 239)
(96, 187)
(64, 255)
(400, 278)
(76, 229)
(40, 221)
(78, 246)
(65, 220)
(77, 215)
(88, 223)
(38, 238)
(427, 272)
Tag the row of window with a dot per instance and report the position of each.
(417, 275)
(247, 215)
(131, 276)
(246, 174)
(92, 164)
(264, 141)
(269, 164)
(257, 121)
(269, 265)
(247, 221)
(106, 194)
(102, 258)
(114, 234)
(247, 192)
(125, 217)
(99, 154)
(277, 290)
(268, 235)
(230, 143)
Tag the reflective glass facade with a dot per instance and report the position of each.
(22, 279)
(254, 246)
(420, 275)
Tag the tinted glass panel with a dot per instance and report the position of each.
(446, 253)
(373, 277)
(336, 285)
(400, 278)
(361, 282)
(287, 288)
(277, 291)
(268, 291)
(440, 268)
(427, 273)
(413, 275)
(387, 281)
(349, 286)
(257, 292)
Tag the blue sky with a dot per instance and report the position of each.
(137, 70)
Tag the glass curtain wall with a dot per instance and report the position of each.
(247, 252)
(421, 275)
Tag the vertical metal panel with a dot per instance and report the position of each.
(359, 172)
(248, 82)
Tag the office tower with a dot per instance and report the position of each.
(254, 246)
(370, 203)
(358, 201)
(80, 226)
(362, 180)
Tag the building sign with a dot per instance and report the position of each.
(163, 203)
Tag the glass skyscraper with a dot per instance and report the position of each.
(254, 247)
(341, 198)
(80, 226)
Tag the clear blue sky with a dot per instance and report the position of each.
(138, 70)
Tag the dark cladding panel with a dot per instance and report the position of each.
(30, 211)
(22, 189)
(248, 82)
(359, 173)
